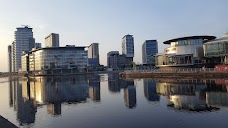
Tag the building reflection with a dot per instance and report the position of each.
(130, 96)
(29, 93)
(115, 84)
(150, 90)
(185, 95)
(217, 93)
(94, 88)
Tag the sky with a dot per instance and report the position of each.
(82, 22)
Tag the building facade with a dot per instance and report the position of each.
(184, 52)
(52, 40)
(10, 58)
(93, 54)
(128, 46)
(25, 61)
(149, 50)
(38, 45)
(58, 60)
(24, 41)
(112, 59)
(216, 51)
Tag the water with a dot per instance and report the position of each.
(106, 101)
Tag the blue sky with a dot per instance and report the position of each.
(81, 22)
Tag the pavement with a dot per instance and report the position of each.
(4, 123)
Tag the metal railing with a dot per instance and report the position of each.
(184, 70)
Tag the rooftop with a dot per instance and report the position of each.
(190, 37)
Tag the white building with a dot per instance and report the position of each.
(52, 40)
(93, 54)
(24, 41)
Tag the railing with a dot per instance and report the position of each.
(184, 70)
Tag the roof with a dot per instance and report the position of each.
(222, 39)
(59, 48)
(190, 37)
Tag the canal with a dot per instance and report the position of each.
(107, 101)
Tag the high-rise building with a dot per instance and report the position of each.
(24, 41)
(38, 45)
(128, 46)
(52, 40)
(149, 49)
(93, 54)
(10, 58)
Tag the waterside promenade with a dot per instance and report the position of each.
(195, 73)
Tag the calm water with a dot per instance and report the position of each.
(106, 101)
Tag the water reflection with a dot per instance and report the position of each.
(186, 95)
(27, 95)
(150, 90)
(115, 84)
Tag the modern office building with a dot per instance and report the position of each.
(128, 47)
(52, 40)
(149, 50)
(118, 61)
(10, 58)
(38, 45)
(184, 52)
(54, 60)
(24, 41)
(112, 59)
(216, 51)
(93, 54)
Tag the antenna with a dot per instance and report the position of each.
(26, 26)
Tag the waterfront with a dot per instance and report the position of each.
(108, 101)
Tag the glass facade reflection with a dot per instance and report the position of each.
(83, 101)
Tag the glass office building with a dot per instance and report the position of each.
(58, 60)
(184, 52)
(216, 51)
(149, 49)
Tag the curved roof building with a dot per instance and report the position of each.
(183, 52)
(205, 38)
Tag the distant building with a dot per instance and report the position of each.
(52, 40)
(216, 51)
(25, 61)
(24, 41)
(54, 60)
(38, 45)
(128, 46)
(93, 54)
(10, 58)
(184, 52)
(112, 59)
(149, 50)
